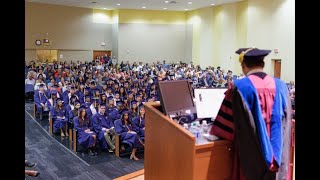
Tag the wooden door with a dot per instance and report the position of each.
(100, 53)
(277, 68)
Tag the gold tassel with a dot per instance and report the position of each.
(241, 57)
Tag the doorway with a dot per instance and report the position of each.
(101, 53)
(277, 68)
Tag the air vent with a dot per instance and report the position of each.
(173, 2)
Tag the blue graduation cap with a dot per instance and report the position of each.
(125, 98)
(88, 96)
(102, 104)
(138, 95)
(117, 92)
(87, 88)
(72, 87)
(110, 98)
(92, 83)
(141, 106)
(41, 85)
(252, 54)
(120, 103)
(73, 97)
(103, 94)
(55, 85)
(54, 92)
(77, 102)
(129, 92)
(59, 99)
(133, 102)
(82, 107)
(125, 112)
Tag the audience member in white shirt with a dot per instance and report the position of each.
(30, 80)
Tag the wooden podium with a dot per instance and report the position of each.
(171, 151)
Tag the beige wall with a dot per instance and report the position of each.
(67, 27)
(30, 55)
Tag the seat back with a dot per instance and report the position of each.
(28, 88)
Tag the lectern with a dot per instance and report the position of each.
(171, 151)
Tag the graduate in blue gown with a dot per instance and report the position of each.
(51, 103)
(59, 118)
(104, 128)
(138, 122)
(40, 99)
(74, 113)
(86, 137)
(111, 107)
(124, 128)
(134, 109)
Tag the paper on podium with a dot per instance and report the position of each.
(208, 101)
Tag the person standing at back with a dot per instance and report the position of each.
(255, 115)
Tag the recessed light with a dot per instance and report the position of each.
(104, 8)
(166, 2)
(212, 4)
(93, 2)
(164, 8)
(143, 7)
(186, 9)
(189, 2)
(118, 4)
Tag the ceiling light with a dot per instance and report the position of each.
(212, 4)
(104, 8)
(93, 2)
(118, 4)
(164, 8)
(166, 2)
(189, 2)
(186, 9)
(143, 7)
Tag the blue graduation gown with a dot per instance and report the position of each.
(40, 98)
(122, 129)
(59, 118)
(138, 125)
(84, 139)
(98, 122)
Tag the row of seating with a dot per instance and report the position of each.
(73, 137)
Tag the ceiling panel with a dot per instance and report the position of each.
(172, 5)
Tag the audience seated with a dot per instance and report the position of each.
(100, 98)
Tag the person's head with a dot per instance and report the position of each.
(77, 104)
(110, 101)
(141, 110)
(97, 92)
(102, 108)
(53, 94)
(103, 96)
(88, 98)
(138, 97)
(120, 105)
(59, 102)
(41, 87)
(134, 104)
(251, 58)
(72, 89)
(125, 115)
(117, 95)
(82, 112)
